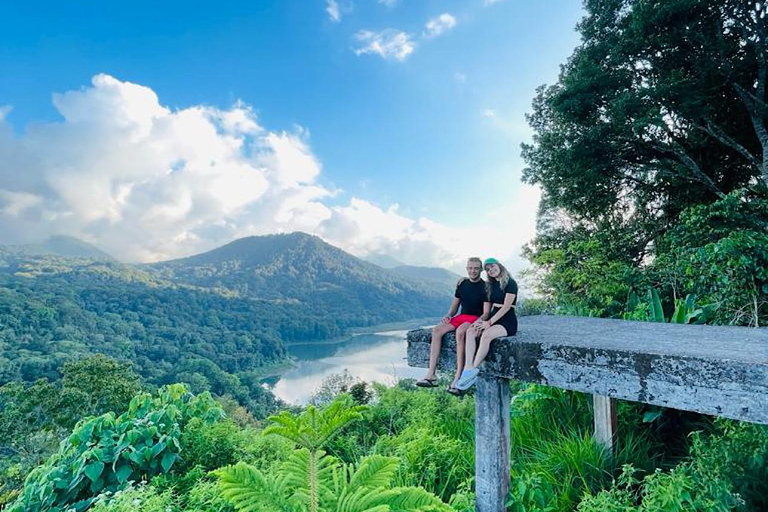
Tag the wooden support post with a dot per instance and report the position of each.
(605, 421)
(492, 448)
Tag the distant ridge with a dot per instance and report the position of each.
(437, 275)
(59, 246)
(383, 260)
(322, 278)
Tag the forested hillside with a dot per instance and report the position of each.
(212, 321)
(313, 275)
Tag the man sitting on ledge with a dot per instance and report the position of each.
(471, 296)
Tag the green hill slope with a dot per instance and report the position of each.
(316, 280)
(212, 320)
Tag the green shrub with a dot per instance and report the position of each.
(430, 459)
(210, 446)
(727, 470)
(142, 497)
(105, 452)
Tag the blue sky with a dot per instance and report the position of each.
(433, 126)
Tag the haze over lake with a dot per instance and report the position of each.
(377, 357)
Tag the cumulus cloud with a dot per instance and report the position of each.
(332, 8)
(145, 182)
(439, 25)
(389, 44)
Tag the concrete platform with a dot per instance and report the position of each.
(713, 370)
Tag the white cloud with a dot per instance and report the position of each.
(439, 25)
(332, 8)
(389, 3)
(489, 113)
(491, 2)
(145, 182)
(460, 77)
(389, 44)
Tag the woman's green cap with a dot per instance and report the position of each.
(490, 261)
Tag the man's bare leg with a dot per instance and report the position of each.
(461, 334)
(436, 344)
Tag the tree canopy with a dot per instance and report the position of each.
(661, 109)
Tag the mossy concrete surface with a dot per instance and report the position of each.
(714, 370)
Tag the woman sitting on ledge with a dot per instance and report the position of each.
(501, 290)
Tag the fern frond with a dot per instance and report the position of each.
(374, 471)
(335, 417)
(407, 499)
(291, 427)
(363, 499)
(248, 490)
(310, 475)
(314, 428)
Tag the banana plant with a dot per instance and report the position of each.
(686, 311)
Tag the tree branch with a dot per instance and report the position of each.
(675, 150)
(717, 133)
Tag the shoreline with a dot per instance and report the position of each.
(371, 329)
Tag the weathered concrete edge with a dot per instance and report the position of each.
(730, 389)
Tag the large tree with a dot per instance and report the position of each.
(660, 108)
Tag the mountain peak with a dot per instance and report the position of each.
(60, 245)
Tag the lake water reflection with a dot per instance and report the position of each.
(378, 357)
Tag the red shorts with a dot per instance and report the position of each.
(463, 319)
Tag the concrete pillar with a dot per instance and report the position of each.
(605, 421)
(492, 448)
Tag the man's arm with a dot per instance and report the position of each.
(452, 311)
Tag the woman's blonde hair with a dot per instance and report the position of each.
(503, 279)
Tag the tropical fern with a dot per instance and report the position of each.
(314, 428)
(311, 480)
(408, 499)
(249, 490)
(374, 471)
(341, 488)
(309, 474)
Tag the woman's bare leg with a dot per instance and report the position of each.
(470, 345)
(490, 334)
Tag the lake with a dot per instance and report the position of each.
(377, 357)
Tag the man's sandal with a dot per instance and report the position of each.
(427, 383)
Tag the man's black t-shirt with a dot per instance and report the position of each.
(472, 295)
(497, 294)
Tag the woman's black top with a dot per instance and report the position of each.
(497, 294)
(509, 320)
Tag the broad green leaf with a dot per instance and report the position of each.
(93, 470)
